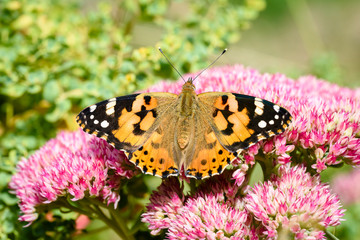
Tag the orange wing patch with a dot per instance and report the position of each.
(231, 122)
(210, 157)
(155, 157)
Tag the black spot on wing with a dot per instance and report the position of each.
(224, 99)
(220, 168)
(165, 174)
(228, 130)
(198, 175)
(153, 113)
(147, 99)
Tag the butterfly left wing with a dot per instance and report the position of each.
(239, 121)
(126, 122)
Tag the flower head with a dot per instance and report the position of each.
(294, 202)
(74, 163)
(212, 212)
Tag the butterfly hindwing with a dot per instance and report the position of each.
(156, 156)
(210, 157)
(126, 122)
(240, 121)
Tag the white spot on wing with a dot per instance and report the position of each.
(271, 122)
(91, 116)
(104, 124)
(276, 108)
(259, 111)
(110, 106)
(110, 111)
(258, 102)
(262, 124)
(96, 121)
(92, 108)
(276, 116)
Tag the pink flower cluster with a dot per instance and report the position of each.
(212, 212)
(294, 202)
(326, 118)
(347, 187)
(291, 201)
(75, 164)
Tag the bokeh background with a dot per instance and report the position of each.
(57, 57)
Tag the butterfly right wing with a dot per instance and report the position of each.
(126, 122)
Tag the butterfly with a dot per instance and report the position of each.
(161, 133)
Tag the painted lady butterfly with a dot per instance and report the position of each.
(163, 132)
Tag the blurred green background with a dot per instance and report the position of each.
(57, 57)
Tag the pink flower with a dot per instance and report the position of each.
(296, 202)
(347, 187)
(240, 174)
(212, 212)
(165, 205)
(210, 218)
(74, 163)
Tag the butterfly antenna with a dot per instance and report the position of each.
(171, 64)
(223, 52)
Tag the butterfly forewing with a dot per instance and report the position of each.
(126, 122)
(240, 121)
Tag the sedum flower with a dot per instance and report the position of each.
(74, 164)
(294, 203)
(212, 212)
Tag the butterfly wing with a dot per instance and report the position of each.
(157, 156)
(209, 156)
(239, 121)
(126, 122)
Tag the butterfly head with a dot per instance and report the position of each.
(188, 85)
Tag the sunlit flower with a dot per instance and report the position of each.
(294, 202)
(347, 187)
(74, 164)
(212, 212)
(210, 218)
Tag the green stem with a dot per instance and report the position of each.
(330, 235)
(121, 223)
(100, 214)
(64, 203)
(90, 207)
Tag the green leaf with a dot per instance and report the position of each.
(51, 91)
